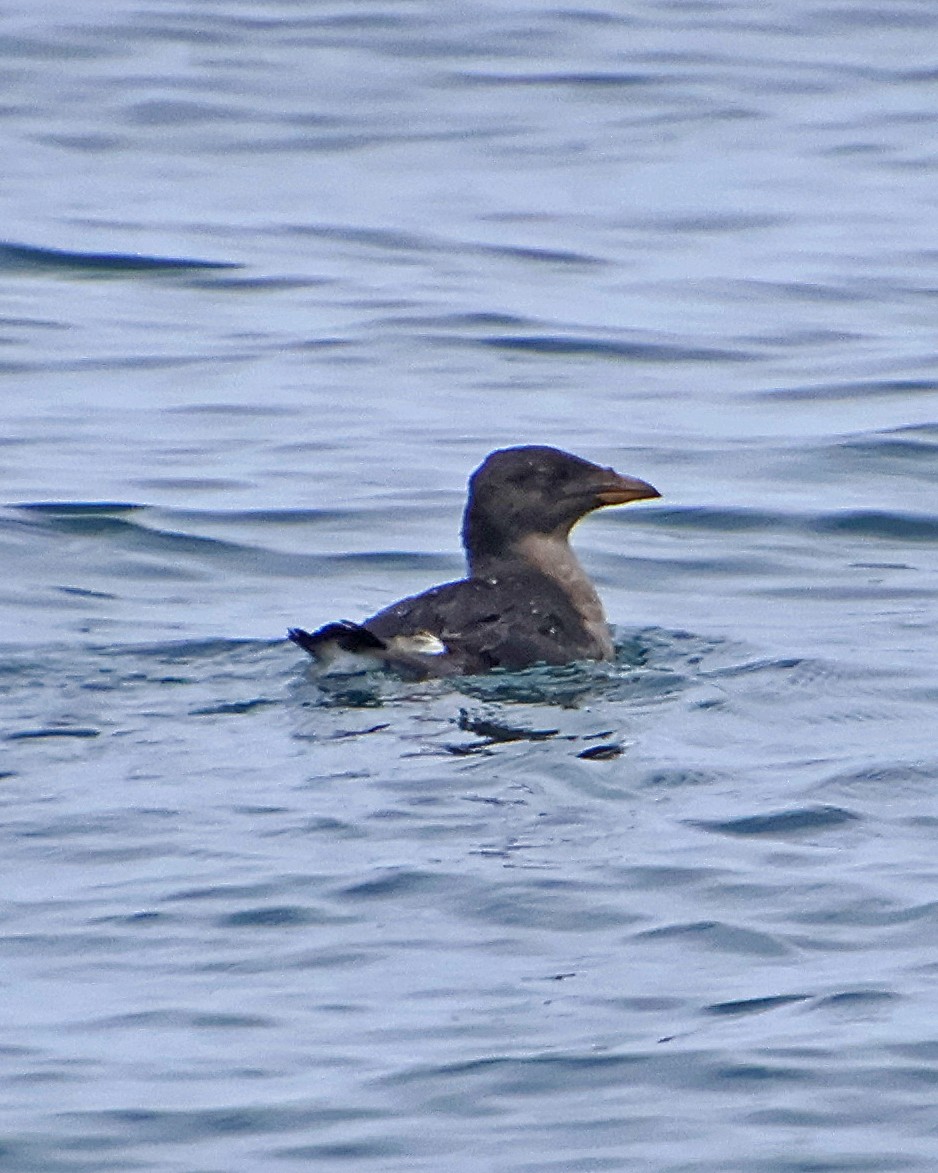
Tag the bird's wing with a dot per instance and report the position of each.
(512, 622)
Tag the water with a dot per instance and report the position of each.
(275, 278)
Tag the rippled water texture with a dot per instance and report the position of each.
(275, 278)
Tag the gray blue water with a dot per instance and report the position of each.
(274, 277)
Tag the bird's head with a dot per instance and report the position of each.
(517, 492)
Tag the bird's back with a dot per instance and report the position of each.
(518, 619)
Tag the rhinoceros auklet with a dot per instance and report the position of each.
(526, 599)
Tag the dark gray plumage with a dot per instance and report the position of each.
(525, 600)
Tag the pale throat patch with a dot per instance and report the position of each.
(554, 558)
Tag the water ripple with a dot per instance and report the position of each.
(27, 258)
(580, 346)
(798, 821)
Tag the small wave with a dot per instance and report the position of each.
(177, 1126)
(714, 519)
(887, 525)
(79, 508)
(591, 79)
(131, 529)
(191, 484)
(903, 447)
(872, 523)
(125, 362)
(182, 1018)
(857, 999)
(233, 708)
(408, 242)
(483, 319)
(865, 389)
(720, 936)
(269, 916)
(80, 732)
(538, 255)
(383, 238)
(797, 821)
(582, 346)
(262, 517)
(718, 222)
(924, 431)
(27, 258)
(879, 454)
(755, 1005)
(893, 780)
(229, 410)
(187, 651)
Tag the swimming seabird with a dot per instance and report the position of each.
(525, 600)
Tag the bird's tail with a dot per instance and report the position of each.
(336, 640)
(346, 636)
(346, 648)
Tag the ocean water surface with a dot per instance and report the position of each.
(275, 278)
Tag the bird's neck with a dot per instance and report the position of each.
(552, 556)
